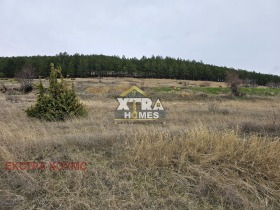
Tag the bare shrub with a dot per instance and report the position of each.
(205, 84)
(3, 88)
(234, 82)
(185, 83)
(224, 111)
(25, 77)
(100, 79)
(215, 107)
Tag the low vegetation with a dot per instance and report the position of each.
(212, 152)
(56, 102)
(262, 91)
(25, 77)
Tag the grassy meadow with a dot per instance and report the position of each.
(213, 151)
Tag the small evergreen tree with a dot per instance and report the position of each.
(56, 102)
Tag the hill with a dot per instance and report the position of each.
(154, 67)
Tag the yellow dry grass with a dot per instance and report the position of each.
(106, 89)
(198, 159)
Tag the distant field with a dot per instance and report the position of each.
(214, 151)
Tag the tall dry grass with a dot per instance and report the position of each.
(149, 169)
(198, 159)
(218, 168)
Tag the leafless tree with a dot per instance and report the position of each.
(3, 88)
(234, 82)
(25, 77)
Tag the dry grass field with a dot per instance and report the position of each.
(212, 152)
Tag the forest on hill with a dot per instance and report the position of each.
(79, 65)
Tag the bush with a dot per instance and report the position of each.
(56, 102)
(215, 107)
(205, 84)
(3, 88)
(234, 82)
(25, 77)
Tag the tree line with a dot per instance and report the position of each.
(79, 65)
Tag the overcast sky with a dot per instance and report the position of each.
(234, 33)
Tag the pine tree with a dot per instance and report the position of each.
(57, 102)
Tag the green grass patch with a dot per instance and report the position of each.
(244, 90)
(166, 89)
(211, 90)
(261, 91)
(223, 90)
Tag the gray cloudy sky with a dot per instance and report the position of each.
(234, 33)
